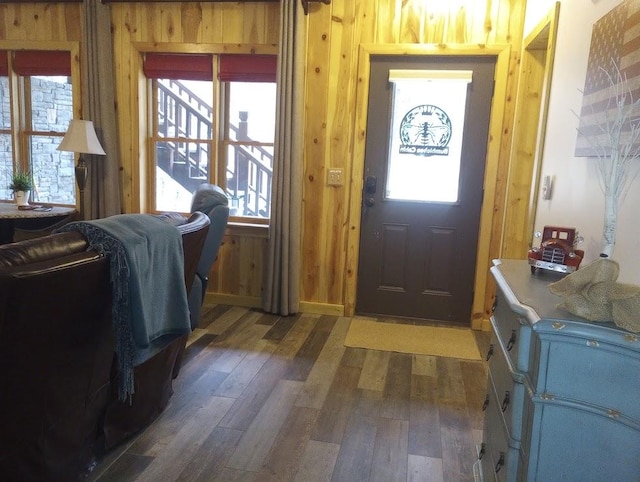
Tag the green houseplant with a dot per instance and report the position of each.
(21, 185)
(21, 181)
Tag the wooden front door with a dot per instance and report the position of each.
(418, 249)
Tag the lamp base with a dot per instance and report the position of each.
(81, 173)
(81, 179)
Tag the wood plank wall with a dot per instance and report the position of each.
(335, 33)
(189, 27)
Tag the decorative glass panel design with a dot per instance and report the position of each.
(426, 134)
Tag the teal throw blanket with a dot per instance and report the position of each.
(147, 280)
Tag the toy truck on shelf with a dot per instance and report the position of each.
(557, 250)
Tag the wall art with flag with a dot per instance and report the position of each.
(615, 44)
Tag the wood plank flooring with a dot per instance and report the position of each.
(267, 398)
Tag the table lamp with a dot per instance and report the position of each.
(81, 138)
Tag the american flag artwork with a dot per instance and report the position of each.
(615, 41)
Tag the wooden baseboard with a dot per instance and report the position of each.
(256, 302)
(321, 308)
(481, 325)
(307, 307)
(234, 300)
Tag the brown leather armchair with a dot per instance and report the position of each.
(57, 394)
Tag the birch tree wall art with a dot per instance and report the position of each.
(609, 127)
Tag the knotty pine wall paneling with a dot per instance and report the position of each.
(335, 34)
(189, 27)
(40, 22)
(331, 215)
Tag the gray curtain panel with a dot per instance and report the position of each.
(98, 105)
(282, 287)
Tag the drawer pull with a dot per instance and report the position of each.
(512, 340)
(500, 462)
(490, 352)
(481, 453)
(486, 402)
(505, 401)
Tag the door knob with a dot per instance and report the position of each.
(369, 201)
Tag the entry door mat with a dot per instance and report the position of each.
(418, 340)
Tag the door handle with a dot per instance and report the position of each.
(370, 184)
(369, 201)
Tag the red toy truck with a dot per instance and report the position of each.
(557, 250)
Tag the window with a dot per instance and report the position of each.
(425, 152)
(6, 150)
(37, 106)
(213, 128)
(248, 144)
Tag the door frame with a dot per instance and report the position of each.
(494, 145)
(530, 123)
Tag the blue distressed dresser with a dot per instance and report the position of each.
(563, 395)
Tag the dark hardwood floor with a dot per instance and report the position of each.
(267, 398)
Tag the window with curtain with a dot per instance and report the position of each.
(37, 105)
(213, 120)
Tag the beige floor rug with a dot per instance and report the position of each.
(420, 340)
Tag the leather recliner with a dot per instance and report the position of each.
(211, 200)
(58, 394)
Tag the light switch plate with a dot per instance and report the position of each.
(335, 176)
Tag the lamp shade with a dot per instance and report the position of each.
(81, 137)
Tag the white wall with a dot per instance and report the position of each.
(577, 199)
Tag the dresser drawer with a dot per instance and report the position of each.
(509, 390)
(589, 370)
(514, 333)
(506, 461)
(483, 468)
(574, 443)
(490, 426)
(528, 412)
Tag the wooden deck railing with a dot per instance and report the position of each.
(249, 170)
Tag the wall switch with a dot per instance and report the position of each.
(335, 177)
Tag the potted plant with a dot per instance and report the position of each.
(21, 185)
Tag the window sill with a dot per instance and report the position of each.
(247, 230)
